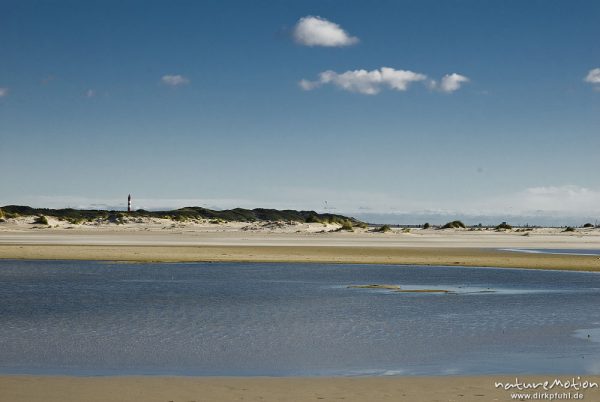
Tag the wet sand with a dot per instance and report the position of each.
(477, 257)
(165, 240)
(217, 389)
(450, 248)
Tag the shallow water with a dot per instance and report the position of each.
(561, 251)
(100, 318)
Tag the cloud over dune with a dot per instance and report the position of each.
(374, 81)
(568, 199)
(317, 31)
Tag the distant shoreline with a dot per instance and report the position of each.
(159, 240)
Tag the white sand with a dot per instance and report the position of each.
(146, 231)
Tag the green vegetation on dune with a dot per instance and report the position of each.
(383, 229)
(503, 226)
(347, 225)
(76, 216)
(41, 220)
(454, 225)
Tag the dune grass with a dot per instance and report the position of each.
(77, 216)
(454, 225)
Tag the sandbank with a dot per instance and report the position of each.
(297, 389)
(464, 248)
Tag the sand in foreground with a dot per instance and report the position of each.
(200, 389)
(464, 248)
(475, 257)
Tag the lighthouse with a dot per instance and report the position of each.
(129, 203)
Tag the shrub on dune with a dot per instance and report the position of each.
(503, 226)
(454, 225)
(41, 220)
(383, 229)
(347, 226)
(313, 219)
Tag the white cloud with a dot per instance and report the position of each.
(568, 199)
(366, 82)
(400, 79)
(317, 31)
(3, 92)
(558, 201)
(571, 202)
(452, 82)
(593, 76)
(90, 93)
(308, 85)
(174, 80)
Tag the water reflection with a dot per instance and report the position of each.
(293, 319)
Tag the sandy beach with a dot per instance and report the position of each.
(144, 243)
(189, 389)
(158, 241)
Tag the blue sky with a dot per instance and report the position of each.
(200, 103)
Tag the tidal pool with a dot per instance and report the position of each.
(102, 318)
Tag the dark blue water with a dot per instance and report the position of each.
(97, 318)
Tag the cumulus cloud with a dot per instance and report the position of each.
(309, 85)
(593, 78)
(372, 82)
(317, 31)
(3, 92)
(366, 82)
(174, 80)
(452, 82)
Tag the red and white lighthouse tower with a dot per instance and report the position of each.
(129, 203)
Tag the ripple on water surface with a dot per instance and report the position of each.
(292, 319)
